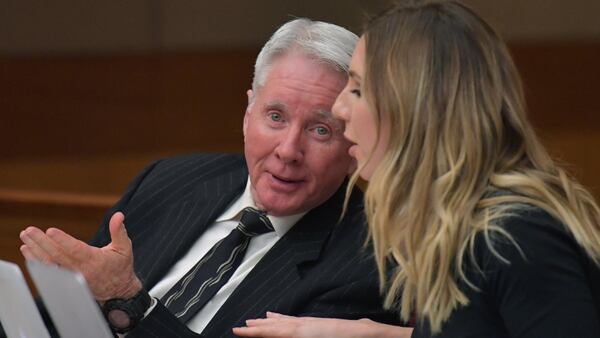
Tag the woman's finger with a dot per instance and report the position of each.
(271, 331)
(277, 315)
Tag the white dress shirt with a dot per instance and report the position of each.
(258, 247)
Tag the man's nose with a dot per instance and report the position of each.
(290, 148)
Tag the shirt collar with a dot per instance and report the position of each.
(281, 224)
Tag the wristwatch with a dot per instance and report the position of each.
(124, 314)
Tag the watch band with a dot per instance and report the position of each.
(124, 314)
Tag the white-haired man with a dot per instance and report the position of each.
(181, 213)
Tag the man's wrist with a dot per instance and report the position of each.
(123, 314)
(134, 288)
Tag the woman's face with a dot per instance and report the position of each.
(352, 107)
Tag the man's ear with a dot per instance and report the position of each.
(250, 95)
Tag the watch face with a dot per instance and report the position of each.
(124, 314)
(119, 318)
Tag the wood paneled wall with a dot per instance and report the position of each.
(98, 105)
(562, 85)
(75, 130)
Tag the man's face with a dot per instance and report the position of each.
(295, 149)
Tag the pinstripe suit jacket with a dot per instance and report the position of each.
(319, 268)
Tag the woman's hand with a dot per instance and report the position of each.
(282, 326)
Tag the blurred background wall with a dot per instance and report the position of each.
(92, 91)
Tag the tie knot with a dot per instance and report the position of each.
(254, 222)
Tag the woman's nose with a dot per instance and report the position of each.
(339, 109)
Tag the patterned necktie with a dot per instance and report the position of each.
(201, 283)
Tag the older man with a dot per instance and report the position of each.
(218, 239)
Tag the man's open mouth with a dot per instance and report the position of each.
(286, 180)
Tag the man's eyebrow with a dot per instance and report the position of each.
(354, 75)
(276, 105)
(328, 115)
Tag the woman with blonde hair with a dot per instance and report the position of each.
(477, 232)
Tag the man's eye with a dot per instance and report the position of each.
(356, 92)
(276, 117)
(322, 131)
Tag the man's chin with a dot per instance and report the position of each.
(282, 210)
(281, 205)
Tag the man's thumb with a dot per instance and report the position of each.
(118, 234)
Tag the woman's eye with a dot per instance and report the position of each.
(276, 117)
(356, 92)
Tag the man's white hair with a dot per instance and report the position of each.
(324, 41)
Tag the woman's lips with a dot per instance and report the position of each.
(352, 150)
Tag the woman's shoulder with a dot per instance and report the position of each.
(529, 247)
(532, 264)
(522, 219)
(524, 229)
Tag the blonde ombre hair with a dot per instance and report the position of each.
(461, 154)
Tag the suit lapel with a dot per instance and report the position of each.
(183, 223)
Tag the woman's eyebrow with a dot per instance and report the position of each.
(354, 75)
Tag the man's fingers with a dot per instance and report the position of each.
(71, 245)
(75, 254)
(26, 252)
(118, 234)
(40, 247)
